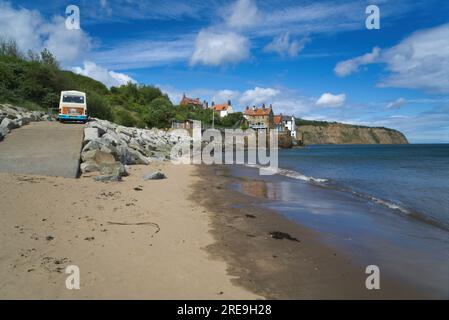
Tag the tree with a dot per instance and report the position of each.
(98, 108)
(125, 118)
(49, 59)
(9, 48)
(50, 100)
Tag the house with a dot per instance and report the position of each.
(285, 124)
(185, 101)
(259, 118)
(223, 109)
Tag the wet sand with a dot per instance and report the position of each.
(281, 268)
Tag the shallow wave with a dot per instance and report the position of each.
(291, 174)
(332, 184)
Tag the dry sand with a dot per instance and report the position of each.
(48, 223)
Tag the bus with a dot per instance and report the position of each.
(73, 106)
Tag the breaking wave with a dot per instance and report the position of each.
(332, 184)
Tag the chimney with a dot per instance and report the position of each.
(263, 106)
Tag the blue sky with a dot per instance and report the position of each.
(313, 59)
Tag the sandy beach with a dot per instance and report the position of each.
(48, 223)
(185, 237)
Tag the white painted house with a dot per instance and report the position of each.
(283, 123)
(223, 109)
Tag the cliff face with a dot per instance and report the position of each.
(334, 133)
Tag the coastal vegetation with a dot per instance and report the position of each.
(35, 80)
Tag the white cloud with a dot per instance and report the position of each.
(140, 54)
(258, 95)
(216, 48)
(284, 47)
(396, 104)
(67, 45)
(21, 25)
(223, 96)
(421, 61)
(345, 68)
(31, 32)
(331, 100)
(107, 77)
(242, 13)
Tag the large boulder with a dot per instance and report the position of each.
(97, 145)
(111, 138)
(10, 111)
(111, 172)
(108, 177)
(105, 163)
(36, 116)
(22, 120)
(96, 124)
(125, 138)
(130, 132)
(154, 175)
(97, 156)
(3, 132)
(89, 166)
(138, 147)
(90, 134)
(9, 124)
(116, 168)
(135, 157)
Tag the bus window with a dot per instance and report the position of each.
(73, 99)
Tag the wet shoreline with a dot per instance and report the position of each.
(243, 226)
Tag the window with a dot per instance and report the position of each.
(73, 99)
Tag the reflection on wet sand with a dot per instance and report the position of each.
(258, 189)
(267, 190)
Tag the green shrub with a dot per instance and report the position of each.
(97, 107)
(124, 117)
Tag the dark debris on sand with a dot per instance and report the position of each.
(282, 235)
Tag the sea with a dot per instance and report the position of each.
(384, 205)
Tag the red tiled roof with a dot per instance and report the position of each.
(258, 111)
(220, 107)
(187, 101)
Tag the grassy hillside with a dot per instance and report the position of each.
(35, 81)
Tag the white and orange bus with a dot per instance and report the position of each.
(73, 106)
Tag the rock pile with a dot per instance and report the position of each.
(12, 117)
(108, 148)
